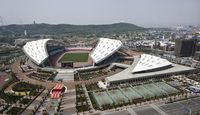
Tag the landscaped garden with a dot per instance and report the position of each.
(25, 101)
(92, 74)
(9, 98)
(92, 87)
(18, 98)
(42, 75)
(26, 88)
(5, 107)
(10, 79)
(14, 110)
(81, 100)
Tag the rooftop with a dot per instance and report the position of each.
(128, 75)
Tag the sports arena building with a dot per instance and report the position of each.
(40, 51)
(47, 53)
(53, 55)
(148, 66)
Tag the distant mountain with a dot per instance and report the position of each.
(33, 29)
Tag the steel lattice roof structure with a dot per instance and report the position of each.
(105, 48)
(128, 74)
(149, 62)
(36, 50)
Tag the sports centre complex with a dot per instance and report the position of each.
(50, 54)
(112, 76)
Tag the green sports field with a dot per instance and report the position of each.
(75, 57)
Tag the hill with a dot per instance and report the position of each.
(50, 29)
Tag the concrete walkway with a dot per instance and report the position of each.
(131, 111)
(158, 109)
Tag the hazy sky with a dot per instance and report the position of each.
(147, 13)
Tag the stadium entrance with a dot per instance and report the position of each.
(67, 64)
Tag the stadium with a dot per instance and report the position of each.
(53, 55)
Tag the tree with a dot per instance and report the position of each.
(35, 108)
(186, 96)
(33, 112)
(26, 93)
(41, 102)
(170, 100)
(43, 98)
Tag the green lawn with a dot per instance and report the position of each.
(75, 57)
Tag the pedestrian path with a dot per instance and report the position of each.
(131, 111)
(158, 109)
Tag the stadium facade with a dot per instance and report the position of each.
(105, 48)
(143, 66)
(39, 51)
(146, 67)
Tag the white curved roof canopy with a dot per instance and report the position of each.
(36, 50)
(149, 62)
(105, 48)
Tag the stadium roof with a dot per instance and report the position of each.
(105, 48)
(127, 74)
(36, 50)
(149, 62)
